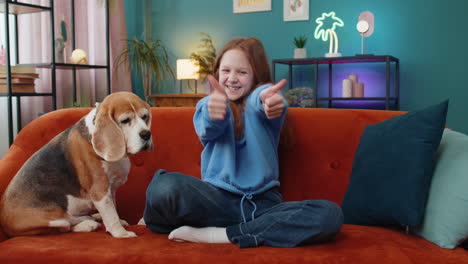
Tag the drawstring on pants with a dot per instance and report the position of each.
(249, 198)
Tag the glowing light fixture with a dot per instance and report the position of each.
(188, 69)
(324, 34)
(365, 27)
(333, 49)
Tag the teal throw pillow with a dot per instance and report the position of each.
(393, 168)
(446, 220)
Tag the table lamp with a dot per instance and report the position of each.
(365, 27)
(188, 69)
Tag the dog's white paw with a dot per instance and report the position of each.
(123, 222)
(123, 234)
(63, 225)
(86, 226)
(98, 217)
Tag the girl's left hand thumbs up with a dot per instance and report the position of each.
(272, 101)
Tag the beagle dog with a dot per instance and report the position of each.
(77, 172)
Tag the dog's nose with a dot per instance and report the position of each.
(145, 134)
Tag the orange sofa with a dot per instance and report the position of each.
(315, 162)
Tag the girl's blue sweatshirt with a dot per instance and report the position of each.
(247, 166)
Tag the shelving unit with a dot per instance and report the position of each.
(391, 102)
(18, 8)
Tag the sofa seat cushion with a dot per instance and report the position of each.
(355, 244)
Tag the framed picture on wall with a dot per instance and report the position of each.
(244, 6)
(295, 10)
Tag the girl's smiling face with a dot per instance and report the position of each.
(235, 74)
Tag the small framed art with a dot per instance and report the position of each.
(244, 6)
(295, 10)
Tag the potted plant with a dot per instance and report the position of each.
(300, 52)
(150, 61)
(205, 56)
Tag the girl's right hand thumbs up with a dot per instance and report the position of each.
(217, 103)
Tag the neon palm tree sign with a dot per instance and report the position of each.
(324, 34)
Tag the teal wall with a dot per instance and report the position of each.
(430, 37)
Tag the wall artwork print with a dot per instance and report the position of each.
(244, 6)
(295, 10)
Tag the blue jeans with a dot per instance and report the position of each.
(174, 199)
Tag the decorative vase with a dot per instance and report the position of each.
(59, 49)
(300, 53)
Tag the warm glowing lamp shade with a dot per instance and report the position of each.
(187, 69)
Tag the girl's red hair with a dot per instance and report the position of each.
(256, 55)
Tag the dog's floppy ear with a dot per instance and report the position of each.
(151, 146)
(108, 140)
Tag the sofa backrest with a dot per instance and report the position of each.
(316, 161)
(316, 151)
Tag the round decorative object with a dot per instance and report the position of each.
(369, 18)
(365, 27)
(362, 26)
(78, 56)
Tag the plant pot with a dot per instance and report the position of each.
(300, 53)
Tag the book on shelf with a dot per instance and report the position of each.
(17, 80)
(18, 69)
(18, 88)
(19, 75)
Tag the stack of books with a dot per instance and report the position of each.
(22, 79)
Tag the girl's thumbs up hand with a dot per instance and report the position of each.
(217, 103)
(272, 101)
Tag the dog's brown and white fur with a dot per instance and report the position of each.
(78, 172)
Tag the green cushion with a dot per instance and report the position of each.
(392, 169)
(446, 219)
